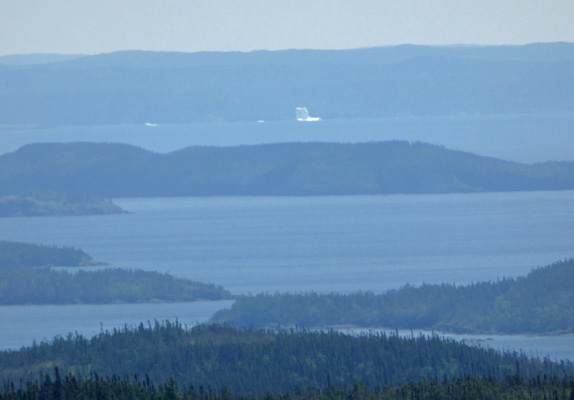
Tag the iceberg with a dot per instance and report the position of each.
(302, 114)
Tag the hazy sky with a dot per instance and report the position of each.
(96, 26)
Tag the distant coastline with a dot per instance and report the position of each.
(166, 87)
(284, 169)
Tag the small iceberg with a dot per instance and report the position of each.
(302, 114)
(150, 124)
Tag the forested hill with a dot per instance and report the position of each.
(139, 87)
(300, 169)
(542, 302)
(250, 362)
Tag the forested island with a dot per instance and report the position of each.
(286, 169)
(49, 203)
(540, 303)
(253, 362)
(26, 278)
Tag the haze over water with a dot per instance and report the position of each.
(523, 138)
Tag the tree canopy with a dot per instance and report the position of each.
(252, 362)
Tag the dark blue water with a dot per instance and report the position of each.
(524, 138)
(269, 244)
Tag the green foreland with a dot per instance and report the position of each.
(26, 277)
(540, 303)
(17, 255)
(45, 286)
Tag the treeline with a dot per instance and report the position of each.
(115, 170)
(253, 362)
(18, 254)
(138, 87)
(542, 302)
(36, 203)
(46, 286)
(94, 387)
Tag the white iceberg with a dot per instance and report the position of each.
(302, 114)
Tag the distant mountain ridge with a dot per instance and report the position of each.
(288, 169)
(31, 59)
(545, 52)
(137, 86)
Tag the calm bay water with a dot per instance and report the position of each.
(324, 244)
(344, 244)
(524, 138)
